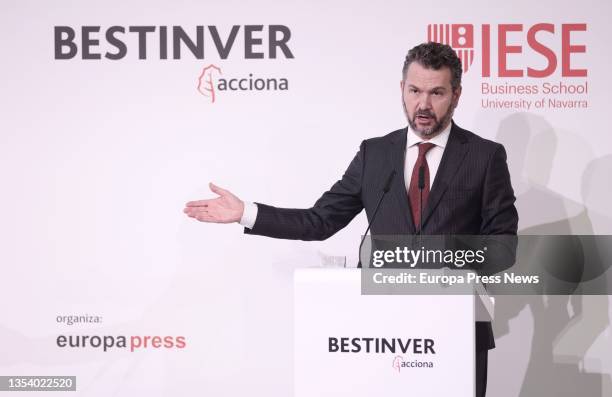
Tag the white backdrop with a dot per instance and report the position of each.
(98, 157)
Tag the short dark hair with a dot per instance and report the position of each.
(435, 56)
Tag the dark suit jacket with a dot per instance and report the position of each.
(471, 195)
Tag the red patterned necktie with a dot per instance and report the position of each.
(414, 193)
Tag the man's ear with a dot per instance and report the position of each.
(456, 95)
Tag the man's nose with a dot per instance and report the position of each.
(425, 101)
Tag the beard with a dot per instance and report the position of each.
(437, 127)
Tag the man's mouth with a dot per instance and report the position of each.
(424, 118)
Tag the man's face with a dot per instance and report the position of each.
(428, 99)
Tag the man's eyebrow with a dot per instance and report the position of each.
(433, 89)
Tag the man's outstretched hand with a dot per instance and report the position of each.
(226, 208)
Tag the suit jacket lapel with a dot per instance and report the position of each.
(454, 153)
(398, 158)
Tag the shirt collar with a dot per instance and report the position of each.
(439, 140)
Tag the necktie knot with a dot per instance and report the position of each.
(425, 147)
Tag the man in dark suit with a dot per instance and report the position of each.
(465, 186)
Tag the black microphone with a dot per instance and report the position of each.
(421, 186)
(385, 190)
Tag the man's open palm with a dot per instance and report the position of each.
(226, 208)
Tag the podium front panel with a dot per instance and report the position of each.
(348, 344)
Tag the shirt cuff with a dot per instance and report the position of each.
(249, 216)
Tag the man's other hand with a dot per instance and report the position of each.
(226, 208)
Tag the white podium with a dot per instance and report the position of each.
(348, 344)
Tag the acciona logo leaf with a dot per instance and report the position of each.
(206, 84)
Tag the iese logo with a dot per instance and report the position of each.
(461, 38)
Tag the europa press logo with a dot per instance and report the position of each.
(458, 36)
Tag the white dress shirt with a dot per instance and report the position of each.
(433, 156)
(249, 215)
